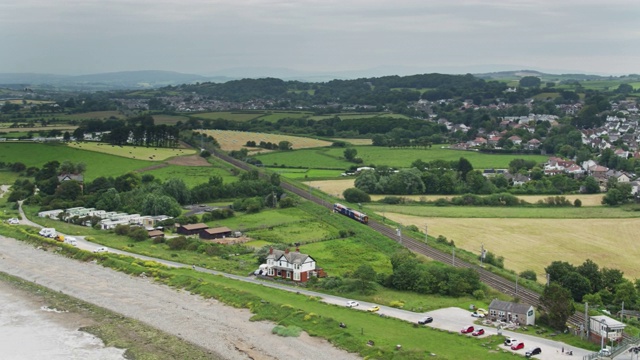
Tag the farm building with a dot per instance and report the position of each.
(512, 312)
(156, 234)
(294, 266)
(216, 233)
(192, 229)
(603, 329)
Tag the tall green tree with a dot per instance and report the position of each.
(557, 305)
(365, 275)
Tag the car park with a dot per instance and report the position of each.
(100, 249)
(477, 314)
(373, 309)
(510, 341)
(534, 351)
(13, 221)
(467, 330)
(517, 346)
(425, 320)
(352, 303)
(478, 332)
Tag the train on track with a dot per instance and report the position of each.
(355, 215)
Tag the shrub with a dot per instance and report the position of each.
(122, 230)
(529, 275)
(393, 200)
(138, 234)
(479, 295)
(287, 331)
(577, 203)
(177, 243)
(355, 195)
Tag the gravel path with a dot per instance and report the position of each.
(205, 322)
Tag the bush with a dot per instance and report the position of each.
(393, 200)
(178, 243)
(529, 275)
(577, 203)
(479, 295)
(122, 230)
(138, 234)
(287, 331)
(355, 195)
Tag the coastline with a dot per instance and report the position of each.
(208, 328)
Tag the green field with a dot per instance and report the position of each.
(264, 219)
(274, 117)
(351, 116)
(101, 115)
(160, 119)
(331, 158)
(228, 115)
(191, 175)
(98, 164)
(301, 174)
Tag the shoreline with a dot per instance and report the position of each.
(180, 318)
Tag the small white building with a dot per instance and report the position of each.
(603, 329)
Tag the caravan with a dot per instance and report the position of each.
(48, 232)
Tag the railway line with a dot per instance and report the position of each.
(494, 281)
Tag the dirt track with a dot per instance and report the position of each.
(205, 322)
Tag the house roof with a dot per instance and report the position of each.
(293, 257)
(198, 226)
(75, 177)
(611, 323)
(509, 306)
(154, 233)
(218, 230)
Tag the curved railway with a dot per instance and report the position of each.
(495, 281)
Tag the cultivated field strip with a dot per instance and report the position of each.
(495, 281)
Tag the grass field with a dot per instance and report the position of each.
(351, 116)
(5, 127)
(356, 141)
(133, 152)
(306, 173)
(229, 115)
(191, 175)
(533, 244)
(235, 140)
(398, 158)
(275, 116)
(100, 115)
(160, 119)
(98, 164)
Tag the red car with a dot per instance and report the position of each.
(517, 346)
(466, 330)
(478, 332)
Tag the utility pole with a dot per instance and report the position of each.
(426, 237)
(399, 233)
(516, 285)
(453, 256)
(482, 255)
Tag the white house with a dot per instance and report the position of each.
(294, 266)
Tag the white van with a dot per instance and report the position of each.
(71, 241)
(48, 232)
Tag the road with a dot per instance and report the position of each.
(452, 319)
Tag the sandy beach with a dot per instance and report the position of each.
(224, 331)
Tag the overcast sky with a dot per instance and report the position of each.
(400, 36)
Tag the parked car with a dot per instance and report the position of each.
(467, 329)
(13, 221)
(374, 309)
(534, 351)
(482, 311)
(71, 241)
(517, 346)
(352, 303)
(100, 249)
(478, 332)
(425, 320)
(604, 352)
(510, 341)
(477, 314)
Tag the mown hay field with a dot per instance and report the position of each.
(5, 127)
(356, 141)
(532, 244)
(191, 175)
(133, 152)
(236, 140)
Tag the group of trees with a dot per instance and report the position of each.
(459, 177)
(282, 145)
(597, 286)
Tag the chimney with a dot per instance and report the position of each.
(270, 250)
(286, 251)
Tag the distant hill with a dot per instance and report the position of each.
(518, 74)
(107, 81)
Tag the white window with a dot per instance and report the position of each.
(296, 276)
(288, 274)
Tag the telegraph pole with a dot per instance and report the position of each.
(426, 237)
(453, 256)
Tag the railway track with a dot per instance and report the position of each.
(494, 281)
